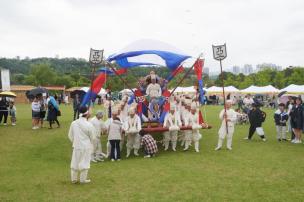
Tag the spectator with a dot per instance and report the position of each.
(3, 110)
(53, 112)
(115, 135)
(43, 107)
(280, 118)
(76, 105)
(35, 113)
(149, 145)
(296, 115)
(247, 101)
(12, 113)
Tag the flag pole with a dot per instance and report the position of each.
(95, 59)
(186, 74)
(223, 86)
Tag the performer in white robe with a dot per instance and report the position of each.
(123, 114)
(153, 90)
(81, 134)
(193, 121)
(100, 128)
(186, 116)
(173, 122)
(132, 126)
(230, 117)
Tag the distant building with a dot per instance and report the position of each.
(206, 70)
(236, 70)
(247, 69)
(261, 67)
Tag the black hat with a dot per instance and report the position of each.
(83, 109)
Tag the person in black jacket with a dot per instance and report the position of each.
(280, 118)
(256, 118)
(297, 119)
(4, 104)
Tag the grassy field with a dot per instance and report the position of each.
(34, 166)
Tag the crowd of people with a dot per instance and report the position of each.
(124, 128)
(7, 110)
(45, 107)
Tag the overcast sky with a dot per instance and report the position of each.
(255, 31)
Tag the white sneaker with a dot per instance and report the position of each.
(85, 182)
(93, 160)
(112, 160)
(147, 156)
(229, 148)
(173, 149)
(217, 148)
(74, 182)
(264, 139)
(293, 141)
(5, 124)
(246, 138)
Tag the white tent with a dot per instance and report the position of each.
(85, 89)
(294, 89)
(260, 90)
(102, 91)
(190, 90)
(228, 89)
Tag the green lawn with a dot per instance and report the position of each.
(34, 166)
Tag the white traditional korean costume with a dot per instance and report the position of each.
(132, 126)
(232, 115)
(173, 122)
(81, 134)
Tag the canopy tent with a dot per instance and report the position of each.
(149, 52)
(260, 90)
(294, 89)
(228, 89)
(189, 89)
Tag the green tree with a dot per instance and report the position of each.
(41, 74)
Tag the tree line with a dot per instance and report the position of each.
(77, 72)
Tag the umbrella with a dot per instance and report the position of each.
(282, 93)
(7, 94)
(34, 92)
(77, 92)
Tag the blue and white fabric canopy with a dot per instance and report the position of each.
(149, 53)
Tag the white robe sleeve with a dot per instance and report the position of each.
(71, 135)
(166, 120)
(221, 116)
(138, 124)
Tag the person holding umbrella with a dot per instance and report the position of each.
(4, 110)
(53, 112)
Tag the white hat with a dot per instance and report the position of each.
(132, 110)
(193, 106)
(115, 110)
(153, 76)
(188, 102)
(172, 107)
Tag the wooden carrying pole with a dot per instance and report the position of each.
(185, 75)
(223, 86)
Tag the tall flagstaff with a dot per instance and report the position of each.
(219, 54)
(96, 57)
